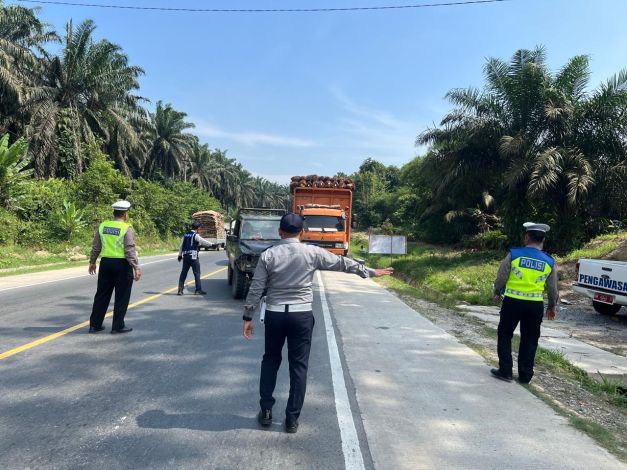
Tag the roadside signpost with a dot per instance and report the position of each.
(387, 245)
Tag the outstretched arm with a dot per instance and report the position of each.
(202, 242)
(327, 261)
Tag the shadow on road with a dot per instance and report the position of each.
(158, 419)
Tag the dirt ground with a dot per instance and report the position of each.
(569, 395)
(585, 324)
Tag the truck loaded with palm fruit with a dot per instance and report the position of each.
(326, 204)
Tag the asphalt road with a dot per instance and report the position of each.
(388, 389)
(180, 391)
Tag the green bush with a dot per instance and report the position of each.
(493, 240)
(101, 183)
(10, 227)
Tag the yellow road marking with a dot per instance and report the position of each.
(58, 334)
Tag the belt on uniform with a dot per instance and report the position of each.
(289, 307)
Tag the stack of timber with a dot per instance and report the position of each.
(315, 181)
(212, 224)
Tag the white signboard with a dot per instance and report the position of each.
(387, 244)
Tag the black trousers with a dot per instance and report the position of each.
(113, 274)
(188, 262)
(297, 328)
(529, 314)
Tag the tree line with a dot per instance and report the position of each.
(87, 94)
(531, 144)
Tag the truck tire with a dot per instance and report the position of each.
(605, 309)
(238, 287)
(230, 275)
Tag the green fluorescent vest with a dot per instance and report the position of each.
(112, 235)
(530, 270)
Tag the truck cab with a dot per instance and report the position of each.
(326, 227)
(327, 214)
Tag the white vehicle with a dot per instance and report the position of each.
(605, 282)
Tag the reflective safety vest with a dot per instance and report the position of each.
(190, 245)
(530, 270)
(112, 236)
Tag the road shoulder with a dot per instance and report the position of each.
(25, 280)
(427, 400)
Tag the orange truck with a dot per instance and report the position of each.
(328, 213)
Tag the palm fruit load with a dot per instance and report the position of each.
(315, 181)
(212, 222)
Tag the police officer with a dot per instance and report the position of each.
(285, 272)
(188, 253)
(522, 278)
(115, 240)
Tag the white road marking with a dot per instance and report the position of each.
(353, 459)
(73, 277)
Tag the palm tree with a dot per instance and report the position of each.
(528, 138)
(170, 143)
(86, 96)
(22, 40)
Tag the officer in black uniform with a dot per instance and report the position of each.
(188, 253)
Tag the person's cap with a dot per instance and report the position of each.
(196, 224)
(291, 223)
(121, 206)
(533, 227)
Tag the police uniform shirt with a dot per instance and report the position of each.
(198, 239)
(505, 270)
(130, 252)
(286, 270)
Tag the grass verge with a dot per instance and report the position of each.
(449, 275)
(18, 260)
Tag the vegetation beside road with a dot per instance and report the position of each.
(451, 275)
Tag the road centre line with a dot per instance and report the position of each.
(353, 459)
(73, 277)
(58, 334)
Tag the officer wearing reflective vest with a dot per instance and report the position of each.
(521, 281)
(188, 253)
(115, 241)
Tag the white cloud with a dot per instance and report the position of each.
(376, 133)
(250, 138)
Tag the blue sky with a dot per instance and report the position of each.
(300, 93)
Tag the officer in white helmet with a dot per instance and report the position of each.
(524, 275)
(119, 266)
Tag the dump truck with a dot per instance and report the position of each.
(326, 204)
(211, 228)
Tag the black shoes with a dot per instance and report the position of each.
(265, 418)
(291, 426)
(94, 329)
(121, 330)
(180, 292)
(496, 373)
(200, 292)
